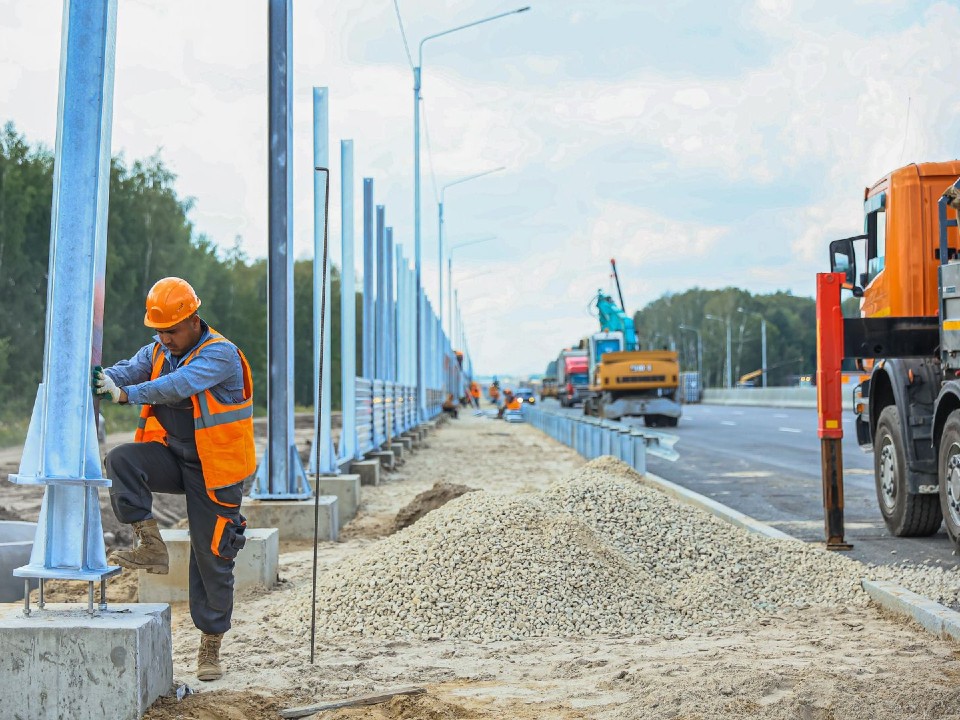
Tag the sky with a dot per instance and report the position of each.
(701, 144)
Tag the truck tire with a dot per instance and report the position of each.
(905, 515)
(949, 475)
(670, 421)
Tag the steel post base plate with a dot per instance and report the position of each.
(50, 573)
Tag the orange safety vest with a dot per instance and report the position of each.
(514, 404)
(474, 390)
(223, 432)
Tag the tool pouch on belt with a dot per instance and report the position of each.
(228, 537)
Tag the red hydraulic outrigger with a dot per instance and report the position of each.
(830, 404)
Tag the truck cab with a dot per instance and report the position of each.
(902, 410)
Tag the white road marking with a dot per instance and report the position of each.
(786, 429)
(728, 422)
(780, 415)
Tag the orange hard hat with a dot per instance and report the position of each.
(170, 300)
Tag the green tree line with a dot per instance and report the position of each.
(791, 332)
(149, 237)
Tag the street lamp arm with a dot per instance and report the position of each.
(469, 177)
(471, 242)
(464, 27)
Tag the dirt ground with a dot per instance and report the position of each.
(812, 664)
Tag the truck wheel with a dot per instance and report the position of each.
(905, 515)
(949, 466)
(670, 421)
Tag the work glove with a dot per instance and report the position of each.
(103, 387)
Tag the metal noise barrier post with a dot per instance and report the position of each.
(317, 444)
(591, 437)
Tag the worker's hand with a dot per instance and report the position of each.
(104, 387)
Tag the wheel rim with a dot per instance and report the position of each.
(952, 484)
(888, 475)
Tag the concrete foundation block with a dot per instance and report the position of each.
(398, 450)
(16, 542)
(368, 470)
(405, 442)
(346, 489)
(62, 663)
(386, 458)
(293, 518)
(256, 565)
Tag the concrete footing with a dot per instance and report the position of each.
(346, 489)
(386, 458)
(293, 518)
(368, 470)
(398, 450)
(61, 662)
(16, 542)
(256, 565)
(405, 442)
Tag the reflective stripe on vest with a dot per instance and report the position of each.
(224, 431)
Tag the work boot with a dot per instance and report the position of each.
(149, 555)
(208, 657)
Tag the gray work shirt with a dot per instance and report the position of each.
(217, 369)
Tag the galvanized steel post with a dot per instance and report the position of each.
(348, 311)
(382, 306)
(369, 283)
(391, 317)
(61, 450)
(280, 474)
(322, 427)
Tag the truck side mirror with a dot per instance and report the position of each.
(843, 259)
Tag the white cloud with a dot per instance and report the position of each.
(791, 139)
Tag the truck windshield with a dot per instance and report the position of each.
(578, 379)
(606, 346)
(876, 223)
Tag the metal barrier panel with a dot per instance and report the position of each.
(389, 410)
(364, 397)
(379, 414)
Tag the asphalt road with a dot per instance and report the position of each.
(765, 462)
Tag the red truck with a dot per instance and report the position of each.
(573, 378)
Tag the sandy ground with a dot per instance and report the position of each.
(809, 664)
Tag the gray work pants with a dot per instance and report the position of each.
(140, 469)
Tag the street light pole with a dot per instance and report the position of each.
(763, 342)
(450, 272)
(443, 190)
(699, 350)
(728, 363)
(421, 388)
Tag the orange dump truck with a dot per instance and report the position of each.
(908, 337)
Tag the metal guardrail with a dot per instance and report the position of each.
(593, 437)
(386, 410)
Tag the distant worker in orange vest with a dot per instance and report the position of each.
(195, 438)
(450, 406)
(510, 402)
(494, 393)
(475, 394)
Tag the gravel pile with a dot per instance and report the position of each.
(598, 553)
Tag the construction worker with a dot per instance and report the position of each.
(493, 392)
(195, 438)
(475, 394)
(510, 402)
(450, 406)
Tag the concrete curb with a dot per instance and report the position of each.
(931, 616)
(734, 517)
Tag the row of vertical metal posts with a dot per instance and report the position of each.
(591, 437)
(381, 403)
